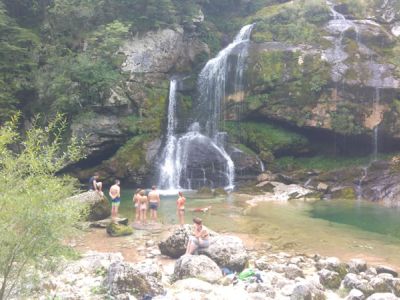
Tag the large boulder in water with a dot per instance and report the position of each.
(197, 266)
(175, 244)
(227, 251)
(99, 207)
(115, 230)
(138, 279)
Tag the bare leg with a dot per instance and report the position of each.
(155, 216)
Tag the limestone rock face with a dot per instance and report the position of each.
(197, 266)
(100, 133)
(227, 251)
(99, 207)
(160, 52)
(139, 279)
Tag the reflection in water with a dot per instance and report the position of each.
(346, 229)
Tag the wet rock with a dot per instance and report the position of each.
(139, 279)
(329, 279)
(382, 296)
(193, 284)
(262, 264)
(99, 207)
(266, 176)
(357, 265)
(116, 230)
(227, 251)
(197, 266)
(104, 223)
(386, 269)
(355, 295)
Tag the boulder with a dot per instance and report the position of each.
(381, 284)
(355, 295)
(292, 271)
(382, 296)
(175, 245)
(301, 291)
(197, 266)
(333, 264)
(227, 251)
(99, 207)
(104, 223)
(386, 269)
(357, 265)
(137, 279)
(115, 230)
(329, 279)
(351, 281)
(396, 286)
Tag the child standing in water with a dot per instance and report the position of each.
(180, 206)
(136, 203)
(142, 207)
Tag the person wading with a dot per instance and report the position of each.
(180, 207)
(115, 194)
(142, 207)
(136, 204)
(154, 202)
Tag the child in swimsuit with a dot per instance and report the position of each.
(180, 206)
(142, 207)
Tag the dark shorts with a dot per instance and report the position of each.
(116, 201)
(153, 205)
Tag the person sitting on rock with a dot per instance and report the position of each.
(95, 185)
(199, 239)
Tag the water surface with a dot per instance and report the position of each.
(344, 228)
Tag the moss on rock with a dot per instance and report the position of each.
(118, 230)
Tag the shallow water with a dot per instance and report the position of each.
(345, 228)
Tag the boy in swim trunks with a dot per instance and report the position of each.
(115, 194)
(154, 202)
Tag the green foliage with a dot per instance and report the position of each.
(290, 22)
(35, 214)
(16, 63)
(323, 163)
(345, 120)
(261, 137)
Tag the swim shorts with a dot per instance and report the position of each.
(116, 201)
(153, 205)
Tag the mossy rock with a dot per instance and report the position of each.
(118, 230)
(344, 193)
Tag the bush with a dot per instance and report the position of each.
(34, 213)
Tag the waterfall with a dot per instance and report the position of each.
(375, 134)
(212, 81)
(184, 158)
(168, 169)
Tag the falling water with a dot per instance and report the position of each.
(175, 169)
(212, 81)
(168, 178)
(375, 135)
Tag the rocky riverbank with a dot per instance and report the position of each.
(255, 273)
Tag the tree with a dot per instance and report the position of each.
(35, 215)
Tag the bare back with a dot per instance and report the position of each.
(153, 196)
(142, 199)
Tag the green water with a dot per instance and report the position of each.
(346, 229)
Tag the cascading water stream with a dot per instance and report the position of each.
(179, 153)
(375, 135)
(168, 178)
